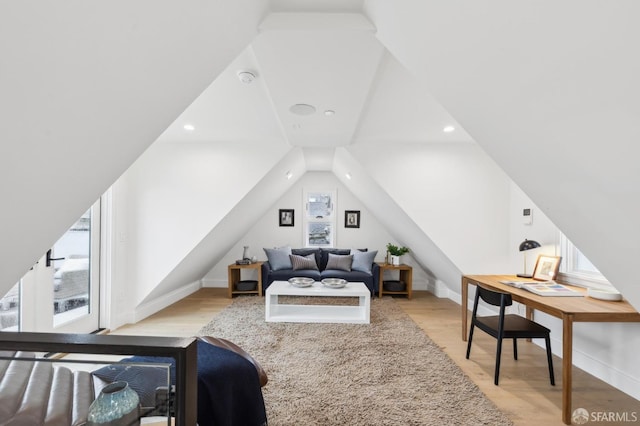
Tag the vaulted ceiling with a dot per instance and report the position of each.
(85, 90)
(348, 87)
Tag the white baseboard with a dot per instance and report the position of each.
(215, 283)
(606, 372)
(441, 289)
(120, 319)
(150, 308)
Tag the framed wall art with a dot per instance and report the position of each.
(352, 219)
(286, 217)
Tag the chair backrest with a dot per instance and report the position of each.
(492, 297)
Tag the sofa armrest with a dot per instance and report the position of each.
(375, 271)
(266, 275)
(226, 344)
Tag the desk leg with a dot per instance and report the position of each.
(465, 298)
(529, 315)
(567, 365)
(529, 312)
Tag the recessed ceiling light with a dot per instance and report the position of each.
(288, 175)
(246, 77)
(329, 112)
(189, 127)
(348, 175)
(448, 129)
(302, 109)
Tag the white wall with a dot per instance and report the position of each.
(454, 192)
(174, 195)
(267, 233)
(541, 230)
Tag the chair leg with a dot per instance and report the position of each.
(550, 360)
(515, 348)
(469, 340)
(498, 354)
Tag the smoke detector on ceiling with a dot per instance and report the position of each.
(246, 77)
(302, 109)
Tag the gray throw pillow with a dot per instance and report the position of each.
(362, 260)
(340, 262)
(303, 262)
(279, 257)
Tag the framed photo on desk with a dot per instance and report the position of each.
(546, 267)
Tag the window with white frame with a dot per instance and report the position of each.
(319, 218)
(577, 269)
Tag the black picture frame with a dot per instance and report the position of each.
(286, 217)
(352, 218)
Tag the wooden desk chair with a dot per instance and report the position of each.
(506, 327)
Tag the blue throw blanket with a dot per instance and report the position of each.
(229, 391)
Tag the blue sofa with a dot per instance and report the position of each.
(363, 269)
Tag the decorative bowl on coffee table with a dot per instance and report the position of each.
(334, 282)
(301, 281)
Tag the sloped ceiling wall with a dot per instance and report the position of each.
(86, 87)
(550, 91)
(208, 248)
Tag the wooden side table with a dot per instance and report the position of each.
(406, 275)
(235, 276)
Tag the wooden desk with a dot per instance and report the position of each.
(569, 309)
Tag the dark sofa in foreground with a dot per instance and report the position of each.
(319, 263)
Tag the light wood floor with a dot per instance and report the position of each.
(524, 394)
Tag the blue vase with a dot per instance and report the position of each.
(117, 404)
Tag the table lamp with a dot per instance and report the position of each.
(524, 246)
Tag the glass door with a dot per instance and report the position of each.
(10, 310)
(70, 262)
(61, 292)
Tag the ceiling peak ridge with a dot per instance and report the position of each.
(316, 21)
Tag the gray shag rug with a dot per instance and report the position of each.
(388, 372)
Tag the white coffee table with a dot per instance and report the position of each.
(275, 312)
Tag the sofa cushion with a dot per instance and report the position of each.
(285, 274)
(362, 260)
(279, 257)
(303, 262)
(306, 252)
(339, 262)
(324, 256)
(352, 276)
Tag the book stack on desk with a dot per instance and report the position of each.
(544, 288)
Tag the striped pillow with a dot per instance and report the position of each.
(340, 262)
(303, 262)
